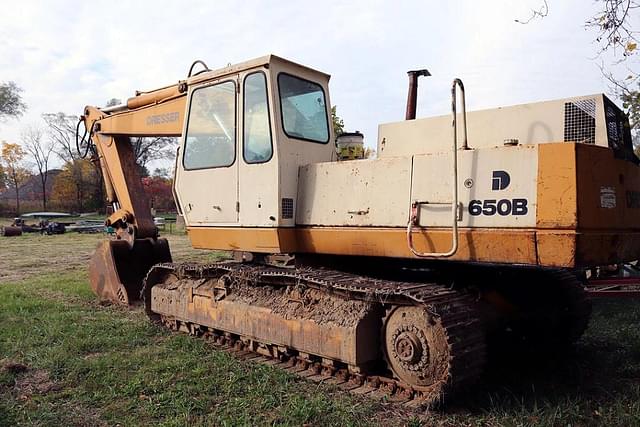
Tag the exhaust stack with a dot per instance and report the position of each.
(412, 98)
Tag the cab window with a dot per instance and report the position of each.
(210, 139)
(257, 131)
(303, 109)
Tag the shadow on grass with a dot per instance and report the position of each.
(595, 382)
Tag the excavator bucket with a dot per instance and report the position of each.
(117, 270)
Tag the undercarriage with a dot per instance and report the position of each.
(416, 341)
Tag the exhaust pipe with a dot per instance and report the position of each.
(412, 98)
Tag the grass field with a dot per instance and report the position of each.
(67, 360)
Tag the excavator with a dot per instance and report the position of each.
(392, 275)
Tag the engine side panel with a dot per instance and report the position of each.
(355, 193)
(497, 187)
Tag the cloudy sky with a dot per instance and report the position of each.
(66, 54)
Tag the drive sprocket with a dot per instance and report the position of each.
(416, 347)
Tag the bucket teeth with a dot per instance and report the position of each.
(117, 270)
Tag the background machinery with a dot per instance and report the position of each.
(387, 275)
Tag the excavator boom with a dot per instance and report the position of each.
(119, 266)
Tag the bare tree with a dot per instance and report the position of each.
(614, 34)
(153, 148)
(40, 150)
(612, 24)
(613, 27)
(62, 132)
(542, 12)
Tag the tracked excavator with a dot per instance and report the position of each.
(387, 276)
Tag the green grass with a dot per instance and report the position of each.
(112, 366)
(91, 365)
(598, 383)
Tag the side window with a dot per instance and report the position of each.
(210, 140)
(257, 146)
(303, 109)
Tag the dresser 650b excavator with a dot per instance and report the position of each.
(388, 275)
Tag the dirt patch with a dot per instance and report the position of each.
(35, 381)
(13, 367)
(29, 381)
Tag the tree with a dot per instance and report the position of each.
(338, 123)
(162, 172)
(40, 150)
(3, 178)
(11, 104)
(611, 24)
(78, 195)
(158, 190)
(156, 148)
(613, 33)
(112, 102)
(62, 132)
(3, 183)
(12, 157)
(540, 13)
(613, 27)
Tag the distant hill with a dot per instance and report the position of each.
(32, 189)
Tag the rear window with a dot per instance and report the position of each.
(303, 108)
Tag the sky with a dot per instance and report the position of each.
(68, 54)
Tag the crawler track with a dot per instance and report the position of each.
(454, 312)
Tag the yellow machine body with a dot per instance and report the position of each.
(507, 202)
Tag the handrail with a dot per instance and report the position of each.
(413, 216)
(465, 143)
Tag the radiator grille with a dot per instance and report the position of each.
(580, 121)
(287, 208)
(615, 128)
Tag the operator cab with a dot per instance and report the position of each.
(248, 128)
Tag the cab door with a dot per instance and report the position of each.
(207, 170)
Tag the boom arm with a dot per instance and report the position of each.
(118, 267)
(158, 113)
